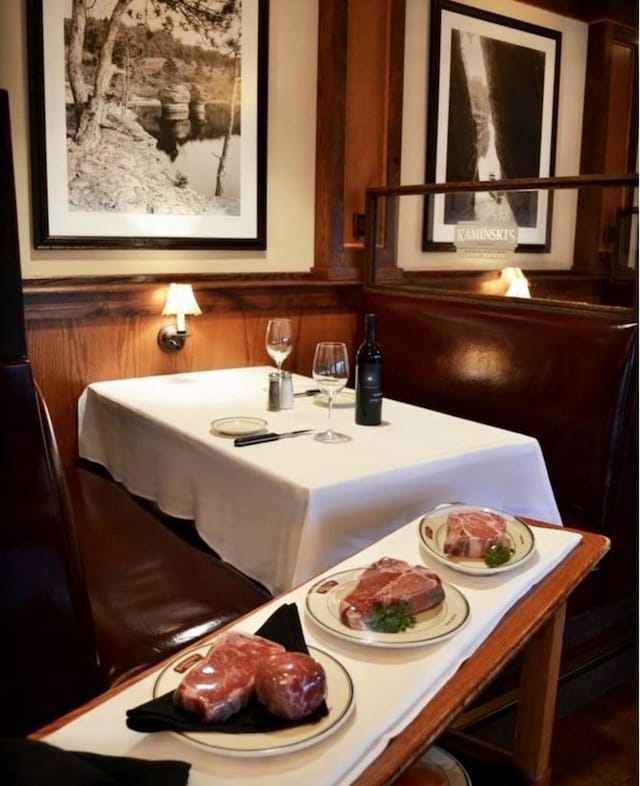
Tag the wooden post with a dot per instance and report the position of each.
(537, 705)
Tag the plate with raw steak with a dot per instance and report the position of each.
(474, 540)
(335, 684)
(389, 603)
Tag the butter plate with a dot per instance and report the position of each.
(238, 426)
(345, 398)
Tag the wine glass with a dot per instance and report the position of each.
(279, 341)
(331, 371)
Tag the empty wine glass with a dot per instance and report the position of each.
(279, 341)
(331, 372)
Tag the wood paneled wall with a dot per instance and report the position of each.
(117, 340)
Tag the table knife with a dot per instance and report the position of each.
(269, 436)
(310, 392)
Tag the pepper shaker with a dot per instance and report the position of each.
(273, 404)
(286, 390)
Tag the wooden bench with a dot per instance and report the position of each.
(565, 375)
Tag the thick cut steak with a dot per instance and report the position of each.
(291, 685)
(471, 532)
(387, 582)
(418, 587)
(222, 683)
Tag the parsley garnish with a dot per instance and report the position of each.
(498, 554)
(391, 619)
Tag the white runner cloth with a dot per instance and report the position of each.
(391, 686)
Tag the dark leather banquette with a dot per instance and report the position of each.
(93, 588)
(565, 375)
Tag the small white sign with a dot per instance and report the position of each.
(479, 239)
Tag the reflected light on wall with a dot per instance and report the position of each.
(481, 362)
(180, 302)
(515, 282)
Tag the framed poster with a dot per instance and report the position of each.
(493, 95)
(148, 123)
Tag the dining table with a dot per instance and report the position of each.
(390, 696)
(283, 511)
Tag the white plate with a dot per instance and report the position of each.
(433, 531)
(446, 765)
(340, 702)
(345, 398)
(433, 625)
(235, 427)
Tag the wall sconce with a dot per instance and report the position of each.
(180, 302)
(515, 282)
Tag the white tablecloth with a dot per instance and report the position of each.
(391, 686)
(284, 511)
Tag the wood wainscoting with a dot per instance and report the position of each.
(100, 329)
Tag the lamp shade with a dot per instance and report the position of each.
(181, 300)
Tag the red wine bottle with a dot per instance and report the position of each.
(369, 377)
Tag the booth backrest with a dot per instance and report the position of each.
(49, 657)
(565, 376)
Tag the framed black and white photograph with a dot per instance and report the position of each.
(148, 123)
(492, 109)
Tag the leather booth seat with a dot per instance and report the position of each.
(92, 587)
(150, 591)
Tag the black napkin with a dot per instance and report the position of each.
(161, 714)
(26, 762)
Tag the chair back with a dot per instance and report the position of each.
(49, 659)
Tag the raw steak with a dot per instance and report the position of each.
(222, 683)
(471, 532)
(291, 685)
(418, 587)
(387, 582)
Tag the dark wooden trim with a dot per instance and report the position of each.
(333, 25)
(511, 184)
(624, 12)
(335, 260)
(113, 296)
(498, 302)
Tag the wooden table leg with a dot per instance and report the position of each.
(537, 703)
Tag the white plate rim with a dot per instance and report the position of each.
(245, 425)
(414, 637)
(448, 765)
(340, 691)
(516, 528)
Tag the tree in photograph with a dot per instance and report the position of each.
(217, 21)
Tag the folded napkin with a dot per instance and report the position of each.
(26, 762)
(161, 714)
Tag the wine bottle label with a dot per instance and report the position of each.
(370, 378)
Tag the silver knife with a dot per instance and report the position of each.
(310, 392)
(269, 436)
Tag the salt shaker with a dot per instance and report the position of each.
(286, 390)
(274, 392)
